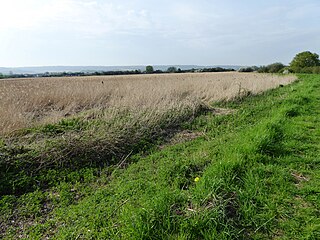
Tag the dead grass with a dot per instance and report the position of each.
(30, 102)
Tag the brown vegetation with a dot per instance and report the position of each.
(30, 102)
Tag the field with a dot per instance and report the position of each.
(82, 159)
(30, 102)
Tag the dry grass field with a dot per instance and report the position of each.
(144, 157)
(30, 102)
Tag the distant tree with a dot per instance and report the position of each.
(246, 69)
(304, 60)
(149, 69)
(275, 67)
(172, 70)
(263, 69)
(272, 68)
(255, 68)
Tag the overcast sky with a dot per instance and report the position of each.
(141, 32)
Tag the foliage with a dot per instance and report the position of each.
(304, 60)
(309, 70)
(149, 69)
(272, 68)
(172, 70)
(246, 69)
(217, 69)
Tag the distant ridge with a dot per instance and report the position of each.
(88, 69)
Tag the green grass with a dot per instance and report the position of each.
(29, 155)
(258, 169)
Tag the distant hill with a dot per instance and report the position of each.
(88, 69)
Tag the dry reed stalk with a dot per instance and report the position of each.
(31, 102)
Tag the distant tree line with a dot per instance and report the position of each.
(71, 74)
(178, 70)
(217, 69)
(304, 62)
(149, 70)
(271, 68)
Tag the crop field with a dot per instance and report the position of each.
(169, 156)
(30, 102)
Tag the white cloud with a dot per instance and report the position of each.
(84, 16)
(153, 30)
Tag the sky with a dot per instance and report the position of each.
(167, 32)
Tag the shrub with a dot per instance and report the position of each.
(149, 69)
(302, 61)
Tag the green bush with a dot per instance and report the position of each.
(272, 68)
(304, 61)
(149, 69)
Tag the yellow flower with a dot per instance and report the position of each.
(197, 179)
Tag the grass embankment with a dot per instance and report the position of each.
(258, 172)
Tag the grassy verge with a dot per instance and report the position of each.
(36, 158)
(257, 170)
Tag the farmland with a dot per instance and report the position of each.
(29, 102)
(89, 158)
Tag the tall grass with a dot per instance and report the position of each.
(258, 172)
(58, 123)
(30, 102)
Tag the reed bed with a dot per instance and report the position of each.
(26, 103)
(65, 124)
